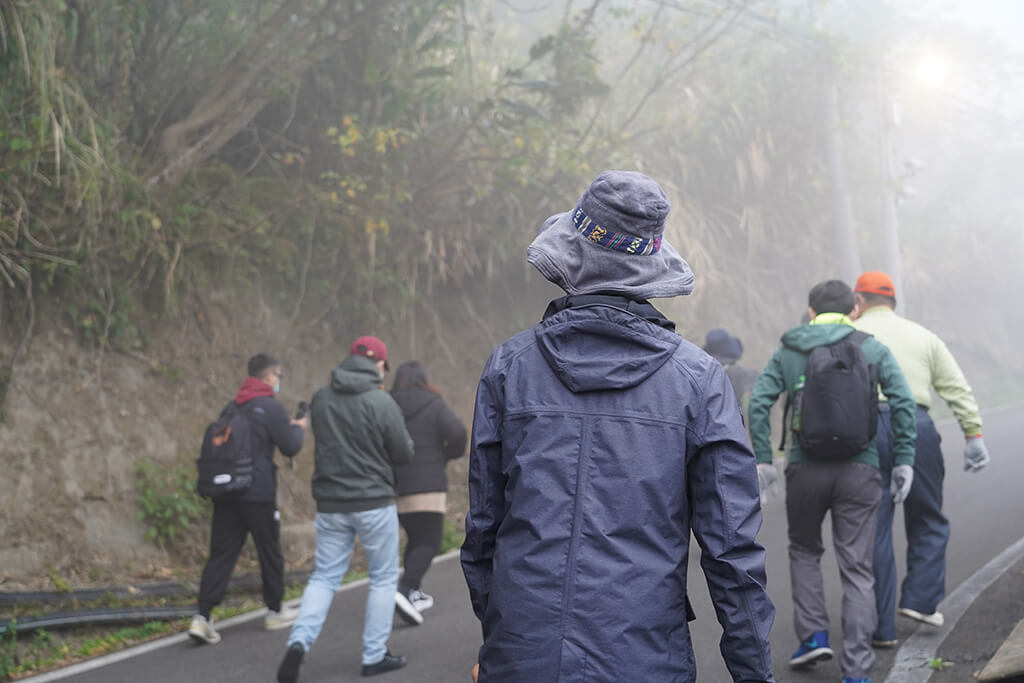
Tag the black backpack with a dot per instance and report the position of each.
(835, 412)
(225, 463)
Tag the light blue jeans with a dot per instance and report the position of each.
(335, 536)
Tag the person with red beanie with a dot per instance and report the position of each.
(927, 364)
(360, 438)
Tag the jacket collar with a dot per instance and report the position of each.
(639, 308)
(832, 319)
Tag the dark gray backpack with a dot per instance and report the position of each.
(225, 462)
(835, 413)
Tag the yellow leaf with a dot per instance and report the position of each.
(369, 226)
(347, 121)
(518, 142)
(156, 223)
(333, 196)
(350, 192)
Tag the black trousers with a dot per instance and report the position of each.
(232, 521)
(424, 530)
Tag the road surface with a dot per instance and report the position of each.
(985, 510)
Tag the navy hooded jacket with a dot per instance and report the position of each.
(600, 440)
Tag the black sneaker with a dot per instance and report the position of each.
(288, 672)
(389, 662)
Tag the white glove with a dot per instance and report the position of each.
(902, 479)
(975, 454)
(767, 475)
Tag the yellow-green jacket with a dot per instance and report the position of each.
(926, 363)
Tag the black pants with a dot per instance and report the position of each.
(424, 530)
(232, 520)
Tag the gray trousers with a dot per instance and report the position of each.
(850, 491)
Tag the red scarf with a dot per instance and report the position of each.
(251, 388)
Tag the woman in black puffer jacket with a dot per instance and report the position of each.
(422, 484)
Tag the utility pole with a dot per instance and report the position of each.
(842, 209)
(890, 194)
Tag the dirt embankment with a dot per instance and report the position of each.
(77, 421)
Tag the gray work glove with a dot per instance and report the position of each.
(902, 479)
(767, 475)
(975, 454)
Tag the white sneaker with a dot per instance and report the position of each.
(935, 619)
(407, 610)
(420, 600)
(202, 631)
(274, 621)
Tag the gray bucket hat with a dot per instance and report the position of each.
(612, 242)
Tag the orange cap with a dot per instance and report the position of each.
(875, 282)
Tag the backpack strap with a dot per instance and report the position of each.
(785, 419)
(858, 336)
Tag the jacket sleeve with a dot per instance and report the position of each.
(285, 435)
(769, 385)
(725, 518)
(453, 433)
(486, 492)
(952, 387)
(397, 442)
(902, 407)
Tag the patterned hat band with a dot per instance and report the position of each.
(616, 241)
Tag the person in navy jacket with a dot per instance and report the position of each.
(600, 440)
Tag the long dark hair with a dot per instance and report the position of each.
(411, 375)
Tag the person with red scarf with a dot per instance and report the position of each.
(253, 511)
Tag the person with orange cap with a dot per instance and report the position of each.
(927, 364)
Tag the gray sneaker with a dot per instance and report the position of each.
(201, 630)
(274, 621)
(406, 610)
(420, 600)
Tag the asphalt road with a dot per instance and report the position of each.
(985, 510)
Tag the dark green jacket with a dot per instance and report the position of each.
(360, 435)
(784, 370)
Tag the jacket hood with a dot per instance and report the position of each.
(412, 401)
(355, 375)
(806, 337)
(599, 346)
(252, 388)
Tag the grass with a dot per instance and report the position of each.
(45, 650)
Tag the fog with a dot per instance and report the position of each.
(735, 121)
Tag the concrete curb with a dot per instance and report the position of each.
(177, 638)
(912, 658)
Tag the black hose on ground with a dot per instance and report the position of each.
(246, 583)
(93, 617)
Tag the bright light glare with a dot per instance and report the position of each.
(932, 70)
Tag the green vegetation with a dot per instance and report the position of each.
(451, 538)
(168, 500)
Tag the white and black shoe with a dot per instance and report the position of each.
(420, 600)
(201, 630)
(406, 610)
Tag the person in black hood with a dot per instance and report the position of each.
(422, 484)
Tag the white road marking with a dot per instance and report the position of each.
(911, 665)
(161, 643)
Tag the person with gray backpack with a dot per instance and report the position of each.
(830, 374)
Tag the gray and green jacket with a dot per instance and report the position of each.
(789, 362)
(360, 435)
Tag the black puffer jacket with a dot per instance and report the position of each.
(439, 436)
